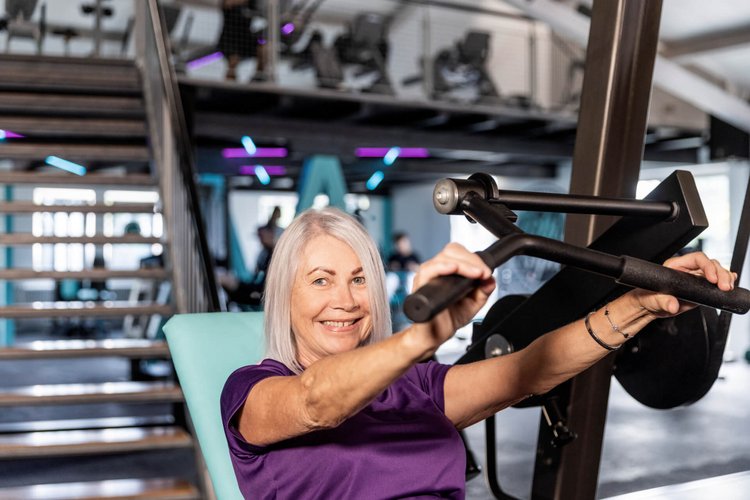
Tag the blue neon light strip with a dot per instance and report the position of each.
(374, 180)
(391, 156)
(249, 145)
(262, 175)
(66, 165)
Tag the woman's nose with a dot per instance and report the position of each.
(344, 298)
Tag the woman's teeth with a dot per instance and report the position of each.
(338, 324)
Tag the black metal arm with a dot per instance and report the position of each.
(441, 292)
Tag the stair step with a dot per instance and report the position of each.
(111, 489)
(85, 423)
(87, 274)
(30, 239)
(27, 207)
(69, 76)
(23, 150)
(92, 442)
(108, 392)
(89, 62)
(80, 309)
(67, 127)
(77, 105)
(58, 349)
(55, 179)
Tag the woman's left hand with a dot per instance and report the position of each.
(696, 263)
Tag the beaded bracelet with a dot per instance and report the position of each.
(599, 341)
(613, 325)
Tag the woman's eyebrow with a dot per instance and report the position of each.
(321, 268)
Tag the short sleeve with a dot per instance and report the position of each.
(431, 378)
(233, 396)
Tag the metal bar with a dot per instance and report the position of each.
(486, 214)
(491, 461)
(274, 40)
(606, 161)
(581, 204)
(709, 42)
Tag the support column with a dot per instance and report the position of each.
(622, 46)
(7, 326)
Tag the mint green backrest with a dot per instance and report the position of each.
(206, 349)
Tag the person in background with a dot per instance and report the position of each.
(403, 257)
(401, 266)
(237, 40)
(340, 408)
(250, 293)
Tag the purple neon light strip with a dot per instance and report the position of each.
(381, 152)
(270, 169)
(11, 135)
(259, 153)
(202, 61)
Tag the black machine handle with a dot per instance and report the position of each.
(644, 274)
(443, 291)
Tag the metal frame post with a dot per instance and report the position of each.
(622, 47)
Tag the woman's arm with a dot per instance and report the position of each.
(477, 390)
(336, 387)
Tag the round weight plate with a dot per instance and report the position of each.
(667, 363)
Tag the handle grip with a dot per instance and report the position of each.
(439, 293)
(431, 298)
(644, 274)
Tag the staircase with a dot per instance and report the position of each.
(76, 408)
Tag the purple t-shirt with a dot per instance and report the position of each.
(399, 446)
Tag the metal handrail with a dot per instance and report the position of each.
(192, 264)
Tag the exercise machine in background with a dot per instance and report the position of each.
(365, 47)
(460, 73)
(18, 23)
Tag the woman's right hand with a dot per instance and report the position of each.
(453, 259)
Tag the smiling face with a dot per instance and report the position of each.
(330, 306)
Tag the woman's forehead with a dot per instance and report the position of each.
(328, 252)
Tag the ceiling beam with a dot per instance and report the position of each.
(668, 75)
(710, 42)
(315, 136)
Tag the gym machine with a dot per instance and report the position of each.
(658, 368)
(365, 46)
(462, 70)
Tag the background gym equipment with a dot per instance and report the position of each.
(649, 230)
(365, 46)
(17, 21)
(462, 68)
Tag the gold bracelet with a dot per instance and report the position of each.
(599, 341)
(612, 324)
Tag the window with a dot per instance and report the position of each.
(117, 224)
(62, 256)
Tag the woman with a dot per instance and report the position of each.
(342, 409)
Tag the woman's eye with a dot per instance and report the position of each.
(359, 280)
(320, 281)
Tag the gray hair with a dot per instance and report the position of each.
(280, 342)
